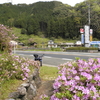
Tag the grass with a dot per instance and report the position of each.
(8, 87)
(46, 73)
(24, 38)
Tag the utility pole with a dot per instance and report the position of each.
(89, 14)
(87, 28)
(89, 22)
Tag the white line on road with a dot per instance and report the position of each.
(21, 54)
(58, 58)
(47, 57)
(66, 59)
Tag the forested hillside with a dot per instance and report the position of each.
(52, 19)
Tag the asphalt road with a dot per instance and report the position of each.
(57, 58)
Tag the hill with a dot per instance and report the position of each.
(52, 19)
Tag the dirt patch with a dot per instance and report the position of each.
(45, 88)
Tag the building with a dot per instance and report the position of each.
(51, 44)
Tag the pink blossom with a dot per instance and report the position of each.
(71, 82)
(24, 78)
(76, 98)
(85, 91)
(63, 77)
(77, 77)
(74, 71)
(93, 88)
(56, 85)
(53, 97)
(98, 59)
(97, 77)
(89, 77)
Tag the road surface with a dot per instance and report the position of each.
(57, 58)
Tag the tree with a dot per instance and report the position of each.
(32, 26)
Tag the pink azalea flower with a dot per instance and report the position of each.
(85, 91)
(93, 88)
(56, 85)
(89, 77)
(24, 78)
(97, 77)
(53, 97)
(77, 78)
(63, 77)
(76, 98)
(74, 71)
(98, 59)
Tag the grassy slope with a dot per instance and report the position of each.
(39, 39)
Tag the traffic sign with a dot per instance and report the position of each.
(81, 30)
(91, 31)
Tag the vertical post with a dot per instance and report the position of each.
(89, 14)
(82, 36)
(14, 48)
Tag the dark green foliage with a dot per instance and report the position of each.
(52, 19)
(23, 31)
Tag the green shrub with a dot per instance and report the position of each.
(81, 48)
(15, 67)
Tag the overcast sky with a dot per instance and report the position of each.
(70, 2)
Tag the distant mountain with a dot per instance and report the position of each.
(52, 19)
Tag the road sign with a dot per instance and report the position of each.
(87, 40)
(91, 31)
(81, 30)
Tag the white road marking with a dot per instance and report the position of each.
(47, 57)
(66, 59)
(21, 54)
(58, 58)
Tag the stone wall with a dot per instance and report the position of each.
(27, 90)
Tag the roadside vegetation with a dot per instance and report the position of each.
(81, 48)
(48, 72)
(77, 80)
(14, 70)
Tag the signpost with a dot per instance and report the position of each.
(87, 40)
(81, 30)
(91, 32)
(82, 35)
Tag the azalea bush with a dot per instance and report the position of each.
(15, 67)
(5, 37)
(77, 80)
